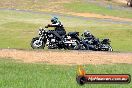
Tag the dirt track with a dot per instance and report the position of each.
(82, 16)
(92, 15)
(67, 57)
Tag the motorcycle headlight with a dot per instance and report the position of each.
(40, 32)
(68, 37)
(51, 35)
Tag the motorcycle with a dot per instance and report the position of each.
(47, 38)
(95, 44)
(105, 45)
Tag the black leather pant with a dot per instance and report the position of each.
(59, 34)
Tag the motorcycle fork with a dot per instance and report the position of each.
(40, 38)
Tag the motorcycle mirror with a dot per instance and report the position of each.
(40, 28)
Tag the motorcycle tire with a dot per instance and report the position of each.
(83, 47)
(110, 48)
(77, 47)
(37, 45)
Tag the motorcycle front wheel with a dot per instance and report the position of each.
(107, 48)
(110, 48)
(37, 44)
(83, 47)
(75, 46)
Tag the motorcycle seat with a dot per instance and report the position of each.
(73, 33)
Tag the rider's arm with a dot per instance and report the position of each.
(52, 25)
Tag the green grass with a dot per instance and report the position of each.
(18, 28)
(22, 75)
(62, 6)
(24, 4)
(93, 8)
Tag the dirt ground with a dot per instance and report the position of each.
(121, 1)
(50, 7)
(100, 16)
(66, 57)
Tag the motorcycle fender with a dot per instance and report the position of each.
(85, 44)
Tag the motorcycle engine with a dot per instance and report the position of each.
(51, 35)
(53, 40)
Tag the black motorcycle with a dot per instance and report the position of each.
(95, 44)
(49, 39)
(105, 45)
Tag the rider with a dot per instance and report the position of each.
(59, 29)
(89, 36)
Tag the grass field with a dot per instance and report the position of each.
(92, 8)
(66, 6)
(14, 74)
(18, 28)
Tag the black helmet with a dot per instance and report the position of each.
(54, 20)
(87, 34)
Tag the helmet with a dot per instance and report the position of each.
(54, 20)
(87, 34)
